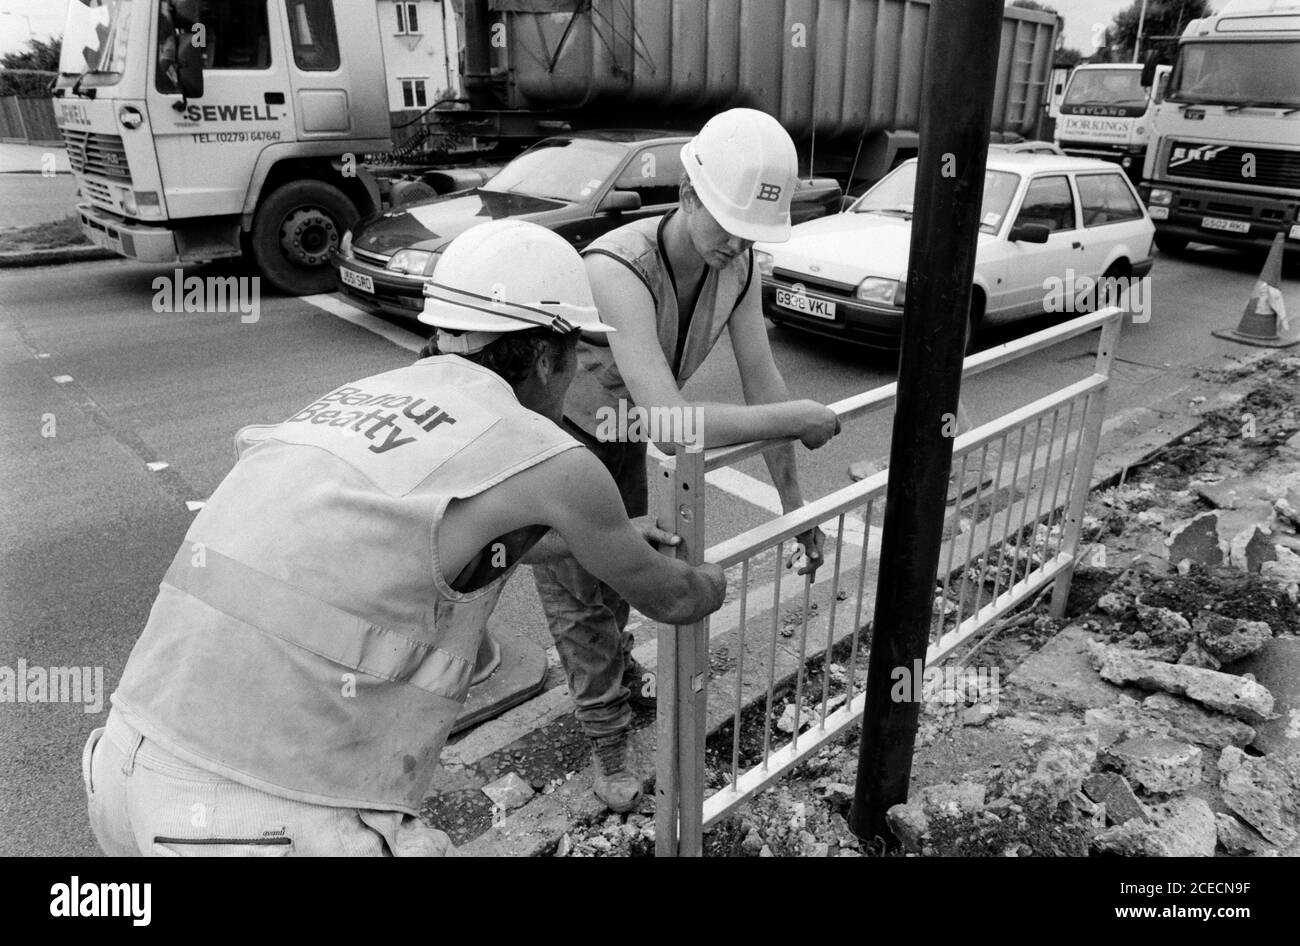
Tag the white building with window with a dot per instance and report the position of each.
(421, 51)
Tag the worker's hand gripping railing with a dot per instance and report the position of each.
(1017, 493)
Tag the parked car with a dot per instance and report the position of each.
(581, 186)
(1047, 221)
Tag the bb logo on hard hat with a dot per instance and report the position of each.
(769, 192)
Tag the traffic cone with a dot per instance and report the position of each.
(1264, 323)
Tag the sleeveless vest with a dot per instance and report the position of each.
(305, 640)
(639, 246)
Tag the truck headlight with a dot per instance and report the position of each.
(1160, 196)
(410, 262)
(876, 289)
(765, 262)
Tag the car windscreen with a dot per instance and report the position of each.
(1237, 74)
(894, 194)
(567, 169)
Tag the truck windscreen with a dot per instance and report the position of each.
(1120, 87)
(94, 40)
(1220, 73)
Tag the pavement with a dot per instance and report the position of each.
(91, 520)
(36, 185)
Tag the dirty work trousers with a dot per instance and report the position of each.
(587, 618)
(144, 800)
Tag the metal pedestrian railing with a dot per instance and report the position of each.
(1017, 492)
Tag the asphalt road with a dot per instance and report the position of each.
(97, 389)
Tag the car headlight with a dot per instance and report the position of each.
(1160, 196)
(765, 262)
(345, 245)
(411, 262)
(876, 289)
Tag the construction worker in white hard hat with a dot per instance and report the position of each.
(314, 638)
(671, 286)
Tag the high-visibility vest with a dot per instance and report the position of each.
(639, 246)
(305, 640)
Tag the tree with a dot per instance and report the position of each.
(1164, 18)
(1067, 57)
(39, 54)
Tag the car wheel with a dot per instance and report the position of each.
(294, 231)
(1117, 270)
(1171, 245)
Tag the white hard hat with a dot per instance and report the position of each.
(743, 168)
(507, 276)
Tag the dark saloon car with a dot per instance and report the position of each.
(581, 186)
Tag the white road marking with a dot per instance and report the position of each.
(194, 505)
(156, 466)
(363, 319)
(63, 379)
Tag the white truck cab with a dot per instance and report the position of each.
(1224, 162)
(1106, 114)
(200, 129)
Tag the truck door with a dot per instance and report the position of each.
(320, 96)
(207, 147)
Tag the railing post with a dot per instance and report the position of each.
(1081, 483)
(682, 674)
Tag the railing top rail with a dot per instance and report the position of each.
(859, 405)
(739, 547)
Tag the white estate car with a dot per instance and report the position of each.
(1047, 222)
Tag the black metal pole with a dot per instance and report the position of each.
(961, 57)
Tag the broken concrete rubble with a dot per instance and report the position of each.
(1197, 725)
(1157, 764)
(1184, 827)
(1114, 791)
(1197, 540)
(1224, 692)
(1237, 838)
(1229, 639)
(1265, 793)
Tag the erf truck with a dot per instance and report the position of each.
(1106, 113)
(200, 129)
(1224, 162)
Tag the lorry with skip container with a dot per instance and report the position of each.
(200, 129)
(1223, 166)
(1106, 113)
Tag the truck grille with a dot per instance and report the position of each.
(1227, 163)
(101, 155)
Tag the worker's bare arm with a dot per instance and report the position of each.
(625, 303)
(576, 497)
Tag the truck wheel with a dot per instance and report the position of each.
(294, 231)
(1171, 245)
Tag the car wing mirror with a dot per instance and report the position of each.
(1030, 233)
(616, 202)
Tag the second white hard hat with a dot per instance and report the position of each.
(743, 167)
(508, 276)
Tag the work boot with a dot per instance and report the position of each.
(616, 785)
(640, 683)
